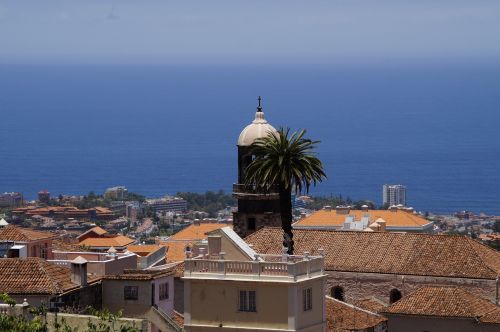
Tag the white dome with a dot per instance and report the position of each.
(257, 129)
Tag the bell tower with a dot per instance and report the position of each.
(257, 207)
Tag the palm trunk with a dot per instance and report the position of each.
(286, 218)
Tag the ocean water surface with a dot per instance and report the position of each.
(162, 129)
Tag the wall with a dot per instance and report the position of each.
(314, 316)
(80, 322)
(166, 305)
(179, 295)
(361, 285)
(402, 323)
(34, 248)
(113, 297)
(215, 302)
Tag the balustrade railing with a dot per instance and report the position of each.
(292, 268)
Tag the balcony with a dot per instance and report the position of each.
(265, 268)
(255, 192)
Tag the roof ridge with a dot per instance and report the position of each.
(42, 266)
(470, 242)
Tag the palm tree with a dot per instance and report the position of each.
(287, 162)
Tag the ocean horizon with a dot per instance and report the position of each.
(160, 129)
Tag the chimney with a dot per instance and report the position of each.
(342, 209)
(382, 224)
(214, 244)
(79, 271)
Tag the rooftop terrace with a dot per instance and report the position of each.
(282, 268)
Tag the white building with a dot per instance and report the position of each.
(394, 194)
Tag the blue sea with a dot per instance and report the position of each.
(161, 129)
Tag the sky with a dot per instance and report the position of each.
(252, 32)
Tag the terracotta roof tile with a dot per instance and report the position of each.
(63, 246)
(341, 316)
(443, 302)
(34, 276)
(176, 251)
(388, 252)
(144, 249)
(14, 233)
(492, 317)
(178, 318)
(372, 304)
(196, 232)
(330, 218)
(112, 241)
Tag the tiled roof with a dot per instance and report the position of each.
(95, 230)
(341, 316)
(144, 249)
(196, 232)
(177, 243)
(176, 251)
(178, 318)
(371, 304)
(14, 233)
(445, 302)
(34, 276)
(330, 218)
(114, 241)
(63, 246)
(388, 252)
(492, 317)
(179, 270)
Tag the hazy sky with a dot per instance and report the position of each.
(125, 31)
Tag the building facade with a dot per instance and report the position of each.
(259, 293)
(394, 194)
(12, 199)
(257, 207)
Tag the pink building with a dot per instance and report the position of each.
(23, 242)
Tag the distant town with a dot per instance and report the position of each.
(148, 219)
(258, 259)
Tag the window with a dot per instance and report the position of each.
(247, 301)
(307, 299)
(394, 295)
(337, 292)
(131, 292)
(251, 224)
(164, 291)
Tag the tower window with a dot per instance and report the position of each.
(337, 292)
(251, 224)
(394, 295)
(307, 299)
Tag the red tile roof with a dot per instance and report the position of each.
(341, 316)
(330, 218)
(103, 242)
(35, 276)
(388, 252)
(19, 234)
(445, 302)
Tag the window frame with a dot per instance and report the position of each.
(249, 303)
(128, 294)
(163, 291)
(307, 299)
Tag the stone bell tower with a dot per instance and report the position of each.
(257, 207)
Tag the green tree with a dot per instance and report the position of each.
(288, 162)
